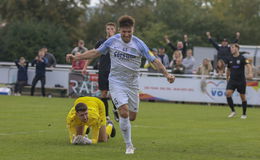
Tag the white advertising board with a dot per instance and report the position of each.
(194, 90)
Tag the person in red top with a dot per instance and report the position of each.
(78, 65)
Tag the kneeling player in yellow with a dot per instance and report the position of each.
(89, 112)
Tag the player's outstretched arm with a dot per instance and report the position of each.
(86, 55)
(228, 74)
(160, 67)
(250, 71)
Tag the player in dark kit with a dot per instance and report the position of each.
(237, 79)
(104, 69)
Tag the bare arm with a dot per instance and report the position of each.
(250, 71)
(160, 67)
(228, 74)
(87, 62)
(86, 55)
(79, 130)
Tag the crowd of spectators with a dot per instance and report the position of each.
(182, 61)
(41, 61)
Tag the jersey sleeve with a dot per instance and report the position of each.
(104, 47)
(145, 51)
(246, 61)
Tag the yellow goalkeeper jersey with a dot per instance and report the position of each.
(96, 117)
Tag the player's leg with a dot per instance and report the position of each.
(229, 92)
(131, 109)
(104, 87)
(102, 134)
(242, 90)
(104, 100)
(107, 128)
(34, 82)
(106, 131)
(125, 126)
(133, 103)
(120, 98)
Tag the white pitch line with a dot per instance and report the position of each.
(143, 126)
(42, 131)
(21, 133)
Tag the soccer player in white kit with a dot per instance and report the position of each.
(126, 52)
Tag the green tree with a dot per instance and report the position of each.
(26, 38)
(66, 13)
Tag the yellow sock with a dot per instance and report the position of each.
(109, 129)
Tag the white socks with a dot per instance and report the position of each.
(125, 127)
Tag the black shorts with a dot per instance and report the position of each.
(103, 80)
(239, 86)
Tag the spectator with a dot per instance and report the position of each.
(220, 70)
(40, 70)
(205, 68)
(178, 68)
(80, 48)
(189, 62)
(176, 55)
(150, 66)
(223, 50)
(22, 77)
(50, 57)
(78, 65)
(82, 64)
(163, 57)
(181, 46)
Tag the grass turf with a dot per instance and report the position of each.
(34, 128)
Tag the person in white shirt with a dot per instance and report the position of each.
(189, 62)
(126, 51)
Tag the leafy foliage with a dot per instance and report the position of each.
(154, 18)
(26, 38)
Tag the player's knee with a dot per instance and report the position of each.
(132, 118)
(243, 98)
(104, 94)
(123, 112)
(228, 94)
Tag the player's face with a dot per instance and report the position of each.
(126, 33)
(233, 49)
(83, 116)
(111, 30)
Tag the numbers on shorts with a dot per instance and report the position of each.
(115, 101)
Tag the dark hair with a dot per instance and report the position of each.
(236, 45)
(81, 107)
(111, 24)
(126, 21)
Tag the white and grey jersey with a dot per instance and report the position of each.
(125, 59)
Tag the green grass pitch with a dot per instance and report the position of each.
(33, 128)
